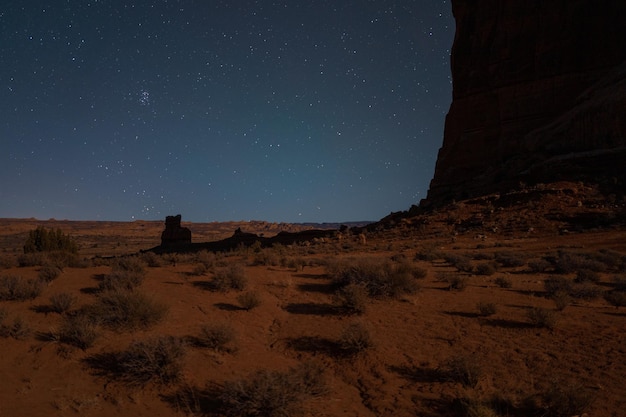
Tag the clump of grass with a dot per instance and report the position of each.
(538, 265)
(78, 330)
(218, 336)
(62, 302)
(18, 330)
(555, 284)
(157, 360)
(273, 393)
(31, 259)
(381, 278)
(129, 264)
(151, 259)
(486, 268)
(200, 269)
(126, 310)
(352, 298)
(585, 291)
(15, 288)
(503, 282)
(586, 275)
(455, 281)
(542, 317)
(49, 273)
(561, 300)
(616, 298)
(232, 277)
(121, 280)
(249, 300)
(355, 338)
(566, 400)
(486, 309)
(620, 282)
(510, 259)
(462, 369)
(206, 258)
(460, 262)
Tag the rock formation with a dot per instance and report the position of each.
(539, 94)
(174, 234)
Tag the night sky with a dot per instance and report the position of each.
(293, 111)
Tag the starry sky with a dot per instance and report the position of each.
(292, 111)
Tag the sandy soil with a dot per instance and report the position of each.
(414, 335)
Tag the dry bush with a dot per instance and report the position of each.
(460, 262)
(151, 259)
(49, 273)
(585, 291)
(18, 330)
(217, 336)
(121, 280)
(31, 259)
(462, 369)
(616, 298)
(380, 278)
(538, 265)
(566, 400)
(62, 302)
(126, 310)
(249, 300)
(206, 258)
(130, 264)
(158, 360)
(7, 262)
(353, 298)
(568, 262)
(486, 268)
(510, 259)
(476, 408)
(503, 282)
(231, 277)
(542, 317)
(486, 309)
(555, 284)
(561, 300)
(455, 281)
(200, 269)
(272, 393)
(355, 338)
(78, 330)
(620, 282)
(586, 275)
(15, 288)
(429, 253)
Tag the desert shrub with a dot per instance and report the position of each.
(62, 302)
(538, 265)
(48, 240)
(475, 408)
(352, 298)
(567, 262)
(231, 277)
(542, 317)
(155, 360)
(555, 284)
(3, 315)
(586, 275)
(49, 273)
(454, 281)
(18, 330)
(15, 288)
(460, 262)
(566, 400)
(130, 264)
(63, 259)
(200, 269)
(616, 298)
(31, 259)
(510, 259)
(249, 300)
(266, 257)
(126, 310)
(273, 393)
(217, 336)
(585, 291)
(462, 369)
(486, 309)
(296, 263)
(380, 278)
(561, 300)
(7, 262)
(486, 268)
(355, 338)
(429, 253)
(503, 282)
(120, 280)
(620, 282)
(206, 258)
(407, 268)
(151, 259)
(78, 330)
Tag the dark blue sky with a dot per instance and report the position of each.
(221, 110)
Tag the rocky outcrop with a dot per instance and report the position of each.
(539, 94)
(174, 234)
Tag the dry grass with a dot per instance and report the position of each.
(126, 310)
(15, 288)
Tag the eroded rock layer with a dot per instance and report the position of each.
(539, 94)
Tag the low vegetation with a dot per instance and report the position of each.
(126, 310)
(15, 288)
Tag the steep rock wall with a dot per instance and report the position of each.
(539, 94)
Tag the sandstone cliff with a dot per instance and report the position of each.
(539, 94)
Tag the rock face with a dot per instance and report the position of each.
(174, 234)
(539, 95)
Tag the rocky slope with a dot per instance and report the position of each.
(539, 95)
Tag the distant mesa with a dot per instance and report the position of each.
(174, 234)
(539, 96)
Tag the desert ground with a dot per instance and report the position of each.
(499, 306)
